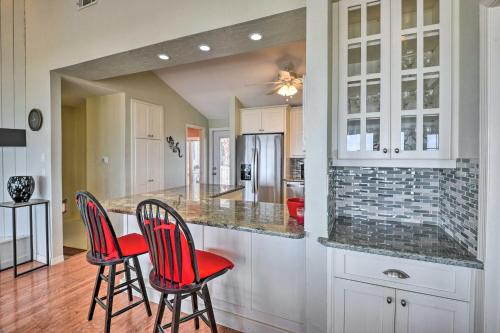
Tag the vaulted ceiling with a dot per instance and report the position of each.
(209, 84)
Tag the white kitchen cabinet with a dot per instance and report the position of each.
(417, 313)
(148, 120)
(363, 308)
(375, 293)
(148, 165)
(395, 88)
(147, 147)
(296, 133)
(263, 120)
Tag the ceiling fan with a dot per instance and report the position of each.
(288, 84)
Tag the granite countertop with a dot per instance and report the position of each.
(199, 204)
(424, 242)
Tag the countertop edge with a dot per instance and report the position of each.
(475, 264)
(237, 188)
(290, 235)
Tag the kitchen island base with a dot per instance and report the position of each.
(265, 290)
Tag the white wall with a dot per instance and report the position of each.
(13, 106)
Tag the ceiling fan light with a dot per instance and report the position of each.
(283, 91)
(292, 90)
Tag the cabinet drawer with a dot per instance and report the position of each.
(423, 277)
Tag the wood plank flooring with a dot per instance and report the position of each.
(56, 299)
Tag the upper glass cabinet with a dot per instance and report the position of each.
(365, 78)
(420, 112)
(394, 79)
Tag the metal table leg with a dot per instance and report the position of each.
(14, 241)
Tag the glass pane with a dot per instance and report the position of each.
(409, 92)
(409, 14)
(354, 59)
(353, 135)
(373, 18)
(354, 22)
(373, 57)
(431, 12)
(225, 167)
(354, 92)
(409, 51)
(373, 134)
(431, 132)
(431, 48)
(373, 95)
(431, 90)
(409, 133)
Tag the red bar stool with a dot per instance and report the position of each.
(178, 269)
(108, 250)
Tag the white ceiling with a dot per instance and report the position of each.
(208, 85)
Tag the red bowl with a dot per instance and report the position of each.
(293, 204)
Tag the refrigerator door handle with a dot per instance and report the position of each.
(254, 171)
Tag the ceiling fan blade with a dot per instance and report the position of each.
(261, 83)
(275, 90)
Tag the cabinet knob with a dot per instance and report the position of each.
(396, 150)
(403, 303)
(384, 150)
(389, 300)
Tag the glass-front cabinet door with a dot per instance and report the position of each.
(421, 79)
(364, 72)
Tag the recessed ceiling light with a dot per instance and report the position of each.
(255, 36)
(204, 47)
(163, 56)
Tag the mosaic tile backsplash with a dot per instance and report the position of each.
(446, 197)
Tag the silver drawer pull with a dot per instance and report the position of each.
(396, 273)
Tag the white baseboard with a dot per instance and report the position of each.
(56, 260)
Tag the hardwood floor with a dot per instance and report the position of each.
(56, 299)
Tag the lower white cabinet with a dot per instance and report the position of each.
(362, 307)
(364, 300)
(365, 308)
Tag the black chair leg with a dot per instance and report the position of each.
(140, 279)
(176, 314)
(111, 290)
(210, 310)
(194, 300)
(127, 278)
(95, 294)
(159, 314)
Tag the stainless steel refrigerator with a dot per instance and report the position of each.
(259, 163)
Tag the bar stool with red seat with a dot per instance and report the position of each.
(108, 250)
(178, 268)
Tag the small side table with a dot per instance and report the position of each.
(14, 205)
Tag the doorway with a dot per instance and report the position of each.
(194, 155)
(221, 157)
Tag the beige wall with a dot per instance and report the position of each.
(218, 123)
(74, 175)
(178, 113)
(106, 118)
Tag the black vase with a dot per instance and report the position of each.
(21, 188)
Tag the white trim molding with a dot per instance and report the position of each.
(490, 3)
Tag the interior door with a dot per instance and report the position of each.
(418, 313)
(155, 165)
(363, 308)
(141, 180)
(221, 158)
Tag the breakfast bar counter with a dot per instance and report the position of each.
(265, 289)
(204, 204)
